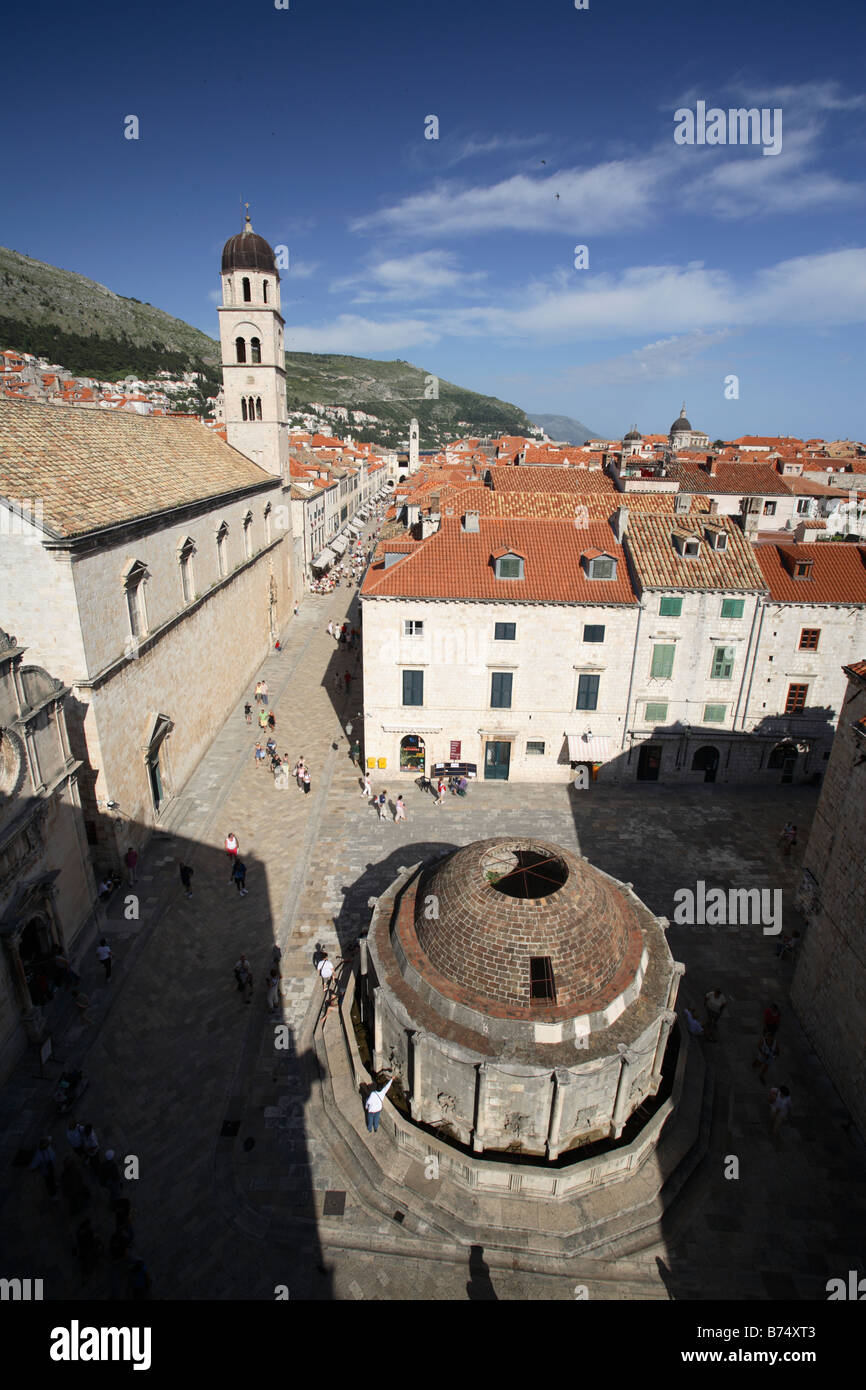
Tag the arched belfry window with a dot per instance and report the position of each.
(258, 407)
(251, 407)
(246, 286)
(265, 291)
(241, 349)
(255, 350)
(244, 407)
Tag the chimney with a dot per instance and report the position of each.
(619, 522)
(804, 534)
(470, 521)
(714, 507)
(710, 464)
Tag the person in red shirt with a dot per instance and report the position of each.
(772, 1019)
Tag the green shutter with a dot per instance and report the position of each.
(670, 607)
(733, 607)
(663, 661)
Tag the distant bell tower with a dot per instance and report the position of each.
(253, 360)
(413, 445)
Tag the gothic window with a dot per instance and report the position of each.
(241, 349)
(187, 579)
(268, 521)
(244, 407)
(265, 291)
(246, 285)
(255, 350)
(251, 408)
(248, 535)
(133, 581)
(222, 549)
(258, 407)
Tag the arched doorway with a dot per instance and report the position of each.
(706, 760)
(412, 754)
(36, 948)
(782, 759)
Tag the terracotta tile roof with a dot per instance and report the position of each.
(838, 572)
(658, 565)
(756, 479)
(456, 564)
(96, 468)
(564, 505)
(856, 669)
(769, 440)
(531, 479)
(805, 487)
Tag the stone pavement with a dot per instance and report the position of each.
(241, 1189)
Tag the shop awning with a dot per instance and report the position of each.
(589, 750)
(323, 559)
(338, 544)
(355, 527)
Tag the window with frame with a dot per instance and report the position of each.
(247, 293)
(670, 607)
(500, 689)
(505, 632)
(602, 567)
(135, 606)
(691, 549)
(733, 607)
(723, 664)
(534, 748)
(656, 712)
(769, 509)
(714, 714)
(265, 291)
(240, 350)
(663, 661)
(255, 350)
(187, 579)
(248, 535)
(809, 638)
(223, 549)
(587, 692)
(268, 524)
(413, 687)
(593, 632)
(541, 983)
(796, 701)
(509, 567)
(413, 628)
(804, 506)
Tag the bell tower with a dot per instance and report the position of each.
(413, 445)
(253, 361)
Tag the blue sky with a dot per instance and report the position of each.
(555, 130)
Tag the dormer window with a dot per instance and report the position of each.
(803, 569)
(718, 539)
(688, 546)
(599, 565)
(507, 564)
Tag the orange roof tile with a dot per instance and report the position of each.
(838, 572)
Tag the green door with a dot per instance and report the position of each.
(497, 756)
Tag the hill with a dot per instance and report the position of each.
(565, 428)
(94, 332)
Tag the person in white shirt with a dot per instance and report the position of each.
(325, 968)
(367, 789)
(780, 1106)
(103, 955)
(373, 1106)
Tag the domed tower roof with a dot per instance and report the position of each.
(527, 929)
(681, 424)
(634, 433)
(248, 251)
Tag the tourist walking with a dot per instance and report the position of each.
(273, 988)
(244, 976)
(103, 955)
(399, 809)
(772, 1019)
(131, 861)
(692, 1024)
(780, 1107)
(366, 787)
(258, 693)
(382, 803)
(355, 754)
(263, 719)
(788, 838)
(186, 879)
(272, 721)
(330, 627)
(43, 1162)
(296, 608)
(239, 874)
(325, 968)
(307, 781)
(441, 789)
(75, 1137)
(259, 754)
(248, 713)
(373, 1106)
(715, 1004)
(768, 1051)
(264, 690)
(231, 847)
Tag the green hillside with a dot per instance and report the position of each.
(94, 332)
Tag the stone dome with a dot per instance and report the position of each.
(634, 433)
(527, 930)
(681, 424)
(248, 251)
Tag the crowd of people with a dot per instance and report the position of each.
(766, 1054)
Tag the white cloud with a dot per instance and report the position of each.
(302, 270)
(352, 334)
(663, 360)
(409, 277)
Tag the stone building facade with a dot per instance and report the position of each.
(522, 998)
(153, 582)
(829, 987)
(46, 883)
